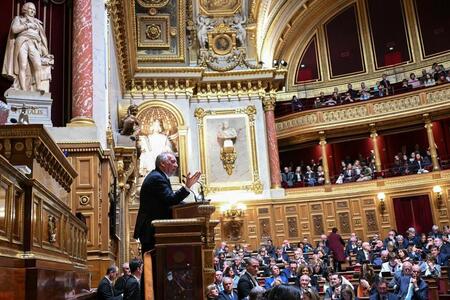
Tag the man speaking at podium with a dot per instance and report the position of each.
(157, 197)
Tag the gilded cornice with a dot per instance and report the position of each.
(126, 162)
(414, 104)
(116, 13)
(32, 142)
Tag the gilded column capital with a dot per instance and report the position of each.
(269, 103)
(322, 138)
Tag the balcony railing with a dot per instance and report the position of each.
(415, 103)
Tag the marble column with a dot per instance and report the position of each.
(274, 159)
(82, 60)
(323, 145)
(431, 143)
(374, 137)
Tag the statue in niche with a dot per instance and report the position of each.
(152, 145)
(130, 122)
(204, 24)
(226, 135)
(27, 60)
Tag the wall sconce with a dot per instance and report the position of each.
(437, 190)
(381, 196)
(233, 209)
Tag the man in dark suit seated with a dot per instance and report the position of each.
(228, 293)
(248, 279)
(157, 197)
(105, 290)
(364, 255)
(382, 292)
(133, 285)
(413, 287)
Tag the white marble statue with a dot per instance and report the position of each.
(151, 146)
(27, 60)
(204, 24)
(238, 24)
(226, 135)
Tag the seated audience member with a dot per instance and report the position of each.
(349, 174)
(366, 174)
(320, 175)
(423, 78)
(405, 271)
(336, 285)
(298, 177)
(230, 273)
(281, 256)
(353, 93)
(432, 269)
(248, 279)
(435, 233)
(212, 292)
(310, 177)
(417, 166)
(257, 293)
(132, 286)
(286, 246)
(287, 177)
(411, 236)
(413, 81)
(443, 248)
(441, 258)
(291, 271)
(413, 287)
(347, 293)
(347, 98)
(330, 101)
(305, 284)
(296, 104)
(442, 78)
(228, 293)
(276, 279)
(364, 93)
(367, 279)
(391, 266)
(405, 84)
(298, 257)
(377, 90)
(119, 286)
(382, 292)
(221, 248)
(429, 81)
(364, 255)
(105, 290)
(310, 294)
(218, 280)
(385, 83)
(283, 292)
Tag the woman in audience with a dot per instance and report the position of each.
(276, 279)
(229, 272)
(283, 292)
(310, 177)
(403, 255)
(364, 93)
(432, 269)
(212, 292)
(413, 81)
(320, 175)
(442, 78)
(347, 293)
(429, 81)
(418, 166)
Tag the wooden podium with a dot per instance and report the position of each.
(184, 252)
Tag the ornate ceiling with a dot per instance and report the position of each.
(188, 38)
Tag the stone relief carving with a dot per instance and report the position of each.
(264, 225)
(204, 24)
(371, 220)
(318, 224)
(292, 227)
(344, 222)
(233, 230)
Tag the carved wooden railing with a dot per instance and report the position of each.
(433, 100)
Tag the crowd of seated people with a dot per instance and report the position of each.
(416, 163)
(303, 175)
(395, 267)
(437, 75)
(357, 170)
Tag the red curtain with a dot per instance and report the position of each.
(413, 211)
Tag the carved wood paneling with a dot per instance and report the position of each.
(292, 227)
(344, 222)
(318, 224)
(264, 228)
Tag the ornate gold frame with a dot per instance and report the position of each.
(162, 42)
(249, 112)
(182, 130)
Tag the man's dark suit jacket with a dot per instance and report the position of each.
(421, 294)
(119, 286)
(132, 289)
(105, 291)
(361, 257)
(245, 285)
(388, 296)
(224, 296)
(156, 198)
